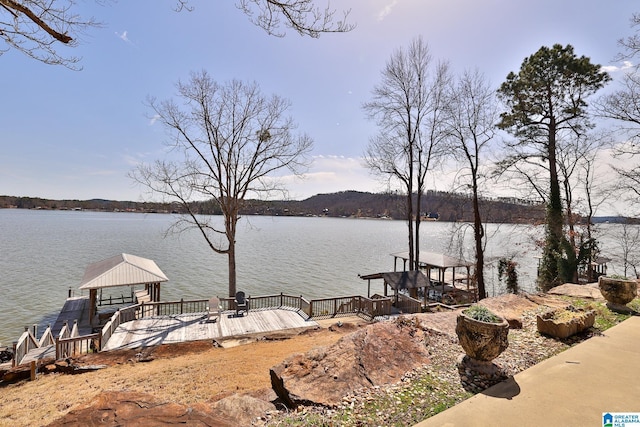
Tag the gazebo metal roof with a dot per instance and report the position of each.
(121, 270)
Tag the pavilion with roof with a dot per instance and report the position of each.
(121, 270)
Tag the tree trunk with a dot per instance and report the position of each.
(550, 273)
(417, 231)
(232, 269)
(410, 227)
(231, 222)
(478, 233)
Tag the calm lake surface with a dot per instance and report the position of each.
(44, 253)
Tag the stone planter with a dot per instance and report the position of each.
(618, 292)
(563, 323)
(482, 341)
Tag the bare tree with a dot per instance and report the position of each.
(300, 15)
(408, 107)
(472, 115)
(628, 240)
(623, 105)
(37, 27)
(577, 160)
(34, 27)
(232, 138)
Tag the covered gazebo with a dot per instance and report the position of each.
(398, 280)
(441, 270)
(121, 270)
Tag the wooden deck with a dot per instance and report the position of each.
(158, 330)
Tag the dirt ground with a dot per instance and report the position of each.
(194, 374)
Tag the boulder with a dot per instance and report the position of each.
(138, 409)
(243, 409)
(510, 307)
(378, 354)
(589, 291)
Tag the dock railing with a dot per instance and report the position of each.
(170, 308)
(69, 343)
(269, 302)
(344, 306)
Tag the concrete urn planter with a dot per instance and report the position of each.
(483, 341)
(618, 292)
(562, 323)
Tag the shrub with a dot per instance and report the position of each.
(481, 313)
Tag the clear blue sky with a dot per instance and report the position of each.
(76, 134)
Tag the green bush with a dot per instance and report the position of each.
(481, 313)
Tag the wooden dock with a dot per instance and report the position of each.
(151, 331)
(75, 308)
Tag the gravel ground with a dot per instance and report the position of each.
(432, 388)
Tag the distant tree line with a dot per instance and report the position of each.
(353, 204)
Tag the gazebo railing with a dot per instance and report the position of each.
(406, 304)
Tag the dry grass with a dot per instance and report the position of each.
(195, 378)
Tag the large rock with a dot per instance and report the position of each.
(375, 355)
(138, 410)
(589, 291)
(510, 307)
(243, 409)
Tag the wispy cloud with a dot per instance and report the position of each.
(615, 68)
(153, 120)
(123, 36)
(386, 10)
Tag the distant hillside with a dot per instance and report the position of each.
(445, 206)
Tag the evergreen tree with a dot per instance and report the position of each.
(546, 101)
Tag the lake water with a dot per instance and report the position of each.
(44, 253)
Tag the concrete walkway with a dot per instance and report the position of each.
(573, 388)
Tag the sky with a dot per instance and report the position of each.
(77, 134)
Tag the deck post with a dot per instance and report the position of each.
(13, 358)
(281, 298)
(181, 305)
